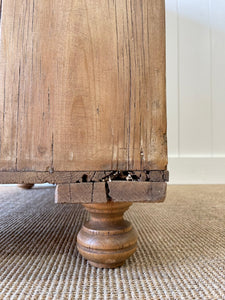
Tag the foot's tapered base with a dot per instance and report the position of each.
(26, 186)
(106, 240)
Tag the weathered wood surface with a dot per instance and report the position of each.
(117, 191)
(73, 177)
(25, 72)
(137, 191)
(74, 193)
(82, 85)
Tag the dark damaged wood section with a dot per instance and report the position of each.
(75, 177)
(117, 191)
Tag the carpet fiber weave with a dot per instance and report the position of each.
(181, 248)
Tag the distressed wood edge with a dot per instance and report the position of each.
(59, 177)
(116, 191)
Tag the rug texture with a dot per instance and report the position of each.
(181, 248)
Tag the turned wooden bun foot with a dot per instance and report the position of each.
(26, 186)
(106, 240)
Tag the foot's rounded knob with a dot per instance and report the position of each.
(106, 240)
(26, 186)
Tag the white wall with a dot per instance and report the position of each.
(196, 90)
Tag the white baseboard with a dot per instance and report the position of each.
(197, 170)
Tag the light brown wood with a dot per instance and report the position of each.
(118, 191)
(106, 240)
(137, 191)
(83, 105)
(74, 193)
(82, 85)
(26, 108)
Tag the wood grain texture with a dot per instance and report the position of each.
(116, 191)
(82, 85)
(74, 193)
(25, 81)
(137, 191)
(106, 240)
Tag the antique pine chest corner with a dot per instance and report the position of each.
(83, 106)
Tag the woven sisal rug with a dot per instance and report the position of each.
(181, 251)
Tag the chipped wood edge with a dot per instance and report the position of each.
(57, 177)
